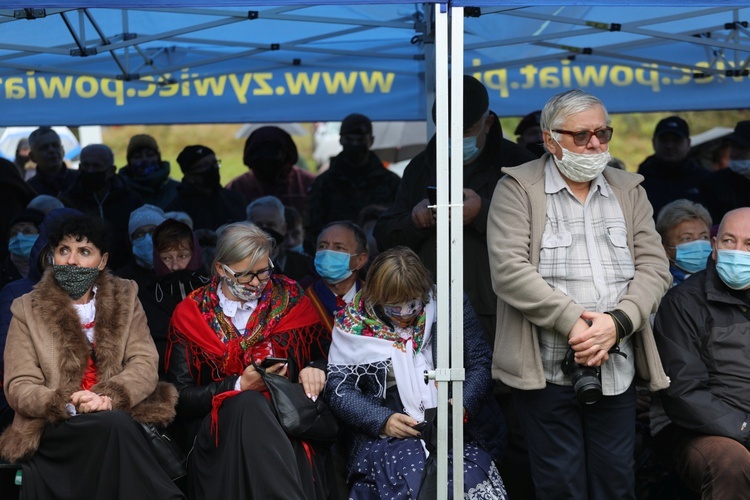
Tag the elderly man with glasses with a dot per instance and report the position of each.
(578, 267)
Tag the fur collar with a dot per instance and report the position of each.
(52, 305)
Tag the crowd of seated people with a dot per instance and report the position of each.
(129, 297)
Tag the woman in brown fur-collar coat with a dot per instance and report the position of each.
(80, 372)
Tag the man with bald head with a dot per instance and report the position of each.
(702, 330)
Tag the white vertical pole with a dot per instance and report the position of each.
(456, 244)
(443, 258)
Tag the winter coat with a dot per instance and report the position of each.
(156, 189)
(702, 330)
(395, 226)
(208, 211)
(666, 182)
(342, 191)
(526, 303)
(355, 401)
(725, 190)
(47, 353)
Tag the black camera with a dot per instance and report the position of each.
(586, 382)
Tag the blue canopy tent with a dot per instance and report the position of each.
(185, 62)
(191, 61)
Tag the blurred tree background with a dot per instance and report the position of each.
(631, 142)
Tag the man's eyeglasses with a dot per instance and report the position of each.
(603, 135)
(247, 276)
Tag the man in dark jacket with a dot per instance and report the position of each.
(702, 330)
(729, 188)
(411, 222)
(200, 194)
(146, 173)
(670, 174)
(355, 179)
(98, 192)
(52, 175)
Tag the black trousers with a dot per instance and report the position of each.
(98, 456)
(579, 451)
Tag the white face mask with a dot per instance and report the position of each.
(580, 167)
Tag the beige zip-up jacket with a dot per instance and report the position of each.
(526, 303)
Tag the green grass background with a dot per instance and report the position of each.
(631, 142)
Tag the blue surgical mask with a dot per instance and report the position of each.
(733, 267)
(332, 266)
(471, 151)
(692, 256)
(143, 251)
(741, 167)
(21, 244)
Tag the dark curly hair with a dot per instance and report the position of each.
(80, 227)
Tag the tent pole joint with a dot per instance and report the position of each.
(86, 51)
(445, 375)
(29, 14)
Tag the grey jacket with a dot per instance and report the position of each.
(526, 303)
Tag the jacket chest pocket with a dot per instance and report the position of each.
(555, 254)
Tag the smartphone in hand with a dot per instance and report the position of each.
(432, 195)
(420, 426)
(270, 361)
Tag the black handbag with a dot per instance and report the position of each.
(299, 415)
(167, 453)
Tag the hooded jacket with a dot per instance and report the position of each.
(47, 353)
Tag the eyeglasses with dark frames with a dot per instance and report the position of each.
(582, 137)
(247, 276)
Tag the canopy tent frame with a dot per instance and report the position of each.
(612, 52)
(82, 47)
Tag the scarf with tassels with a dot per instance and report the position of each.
(283, 324)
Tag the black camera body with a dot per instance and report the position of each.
(586, 382)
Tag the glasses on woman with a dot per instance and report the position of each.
(581, 138)
(246, 277)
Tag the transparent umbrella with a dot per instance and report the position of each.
(10, 136)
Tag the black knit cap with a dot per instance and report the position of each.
(27, 215)
(356, 124)
(190, 156)
(533, 119)
(741, 134)
(476, 101)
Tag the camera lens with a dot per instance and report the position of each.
(587, 386)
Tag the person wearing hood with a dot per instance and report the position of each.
(268, 214)
(671, 173)
(200, 194)
(141, 226)
(178, 270)
(271, 156)
(685, 230)
(24, 230)
(98, 192)
(14, 289)
(355, 179)
(146, 173)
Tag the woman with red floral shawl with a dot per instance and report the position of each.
(246, 313)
